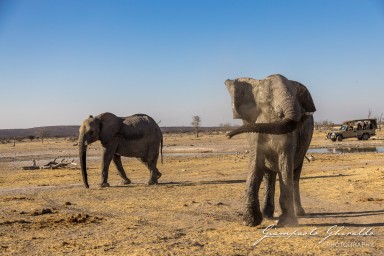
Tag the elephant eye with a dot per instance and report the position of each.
(91, 133)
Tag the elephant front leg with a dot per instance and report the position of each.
(269, 200)
(288, 217)
(252, 215)
(120, 170)
(106, 161)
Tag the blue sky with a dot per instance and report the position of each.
(63, 60)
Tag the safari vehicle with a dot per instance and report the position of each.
(361, 129)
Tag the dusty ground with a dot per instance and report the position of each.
(197, 208)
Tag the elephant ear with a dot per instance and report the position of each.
(109, 127)
(304, 98)
(243, 101)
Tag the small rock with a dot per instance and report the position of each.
(197, 244)
(46, 211)
(42, 212)
(79, 218)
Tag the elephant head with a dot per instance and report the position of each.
(274, 105)
(102, 127)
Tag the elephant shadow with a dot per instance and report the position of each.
(188, 183)
(325, 176)
(350, 214)
(204, 182)
(232, 181)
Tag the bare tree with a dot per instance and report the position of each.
(196, 121)
(31, 137)
(226, 125)
(379, 121)
(324, 125)
(42, 134)
(369, 113)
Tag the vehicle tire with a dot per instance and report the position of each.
(359, 138)
(339, 138)
(365, 136)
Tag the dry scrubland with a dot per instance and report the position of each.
(197, 208)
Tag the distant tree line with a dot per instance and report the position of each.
(38, 134)
(324, 125)
(32, 138)
(191, 130)
(71, 132)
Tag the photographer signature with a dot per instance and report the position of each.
(334, 231)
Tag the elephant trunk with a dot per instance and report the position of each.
(281, 127)
(83, 161)
(291, 110)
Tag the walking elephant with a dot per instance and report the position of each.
(277, 115)
(133, 136)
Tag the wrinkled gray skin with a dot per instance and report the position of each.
(133, 136)
(277, 115)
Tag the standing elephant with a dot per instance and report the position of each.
(133, 136)
(277, 114)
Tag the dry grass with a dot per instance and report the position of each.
(196, 210)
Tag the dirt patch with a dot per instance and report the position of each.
(195, 210)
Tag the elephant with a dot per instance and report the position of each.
(277, 116)
(136, 136)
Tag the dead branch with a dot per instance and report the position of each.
(64, 163)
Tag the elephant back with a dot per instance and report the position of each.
(137, 126)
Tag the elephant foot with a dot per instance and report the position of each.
(154, 178)
(125, 182)
(286, 220)
(268, 213)
(299, 211)
(152, 182)
(252, 218)
(104, 185)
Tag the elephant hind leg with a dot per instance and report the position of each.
(296, 191)
(120, 170)
(155, 174)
